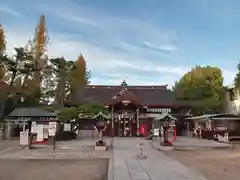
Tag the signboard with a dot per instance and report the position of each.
(34, 127)
(52, 128)
(156, 132)
(23, 138)
(67, 127)
(159, 110)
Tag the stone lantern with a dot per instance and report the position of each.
(166, 126)
(100, 127)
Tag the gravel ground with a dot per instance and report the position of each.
(91, 169)
(215, 164)
(9, 144)
(43, 163)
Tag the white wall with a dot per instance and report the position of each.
(232, 106)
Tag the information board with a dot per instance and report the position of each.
(23, 138)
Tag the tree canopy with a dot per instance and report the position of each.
(85, 111)
(203, 86)
(237, 77)
(79, 76)
(30, 78)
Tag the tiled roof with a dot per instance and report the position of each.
(124, 95)
(30, 112)
(145, 95)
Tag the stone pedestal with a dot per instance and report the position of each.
(101, 148)
(1, 136)
(166, 143)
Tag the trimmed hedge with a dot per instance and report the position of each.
(65, 135)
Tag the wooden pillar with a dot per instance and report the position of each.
(112, 121)
(119, 125)
(9, 129)
(138, 125)
(130, 126)
(1, 131)
(24, 124)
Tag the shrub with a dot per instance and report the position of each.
(65, 135)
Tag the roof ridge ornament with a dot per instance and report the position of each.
(124, 84)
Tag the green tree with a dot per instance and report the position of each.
(237, 77)
(68, 114)
(92, 109)
(48, 86)
(2, 50)
(61, 68)
(70, 76)
(20, 72)
(202, 86)
(3, 86)
(87, 110)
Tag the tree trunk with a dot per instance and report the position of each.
(2, 105)
(60, 93)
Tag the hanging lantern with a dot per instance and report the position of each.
(108, 122)
(121, 122)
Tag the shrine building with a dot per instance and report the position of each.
(131, 107)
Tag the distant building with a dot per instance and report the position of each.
(134, 107)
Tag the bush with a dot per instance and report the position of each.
(65, 135)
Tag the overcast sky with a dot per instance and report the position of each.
(142, 41)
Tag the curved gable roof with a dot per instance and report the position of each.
(145, 95)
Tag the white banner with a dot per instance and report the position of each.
(52, 128)
(34, 127)
(39, 132)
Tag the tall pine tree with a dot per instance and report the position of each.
(37, 56)
(2, 50)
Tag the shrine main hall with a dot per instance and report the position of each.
(132, 107)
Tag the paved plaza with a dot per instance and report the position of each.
(157, 166)
(79, 159)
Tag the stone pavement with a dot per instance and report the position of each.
(190, 143)
(76, 149)
(183, 141)
(157, 166)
